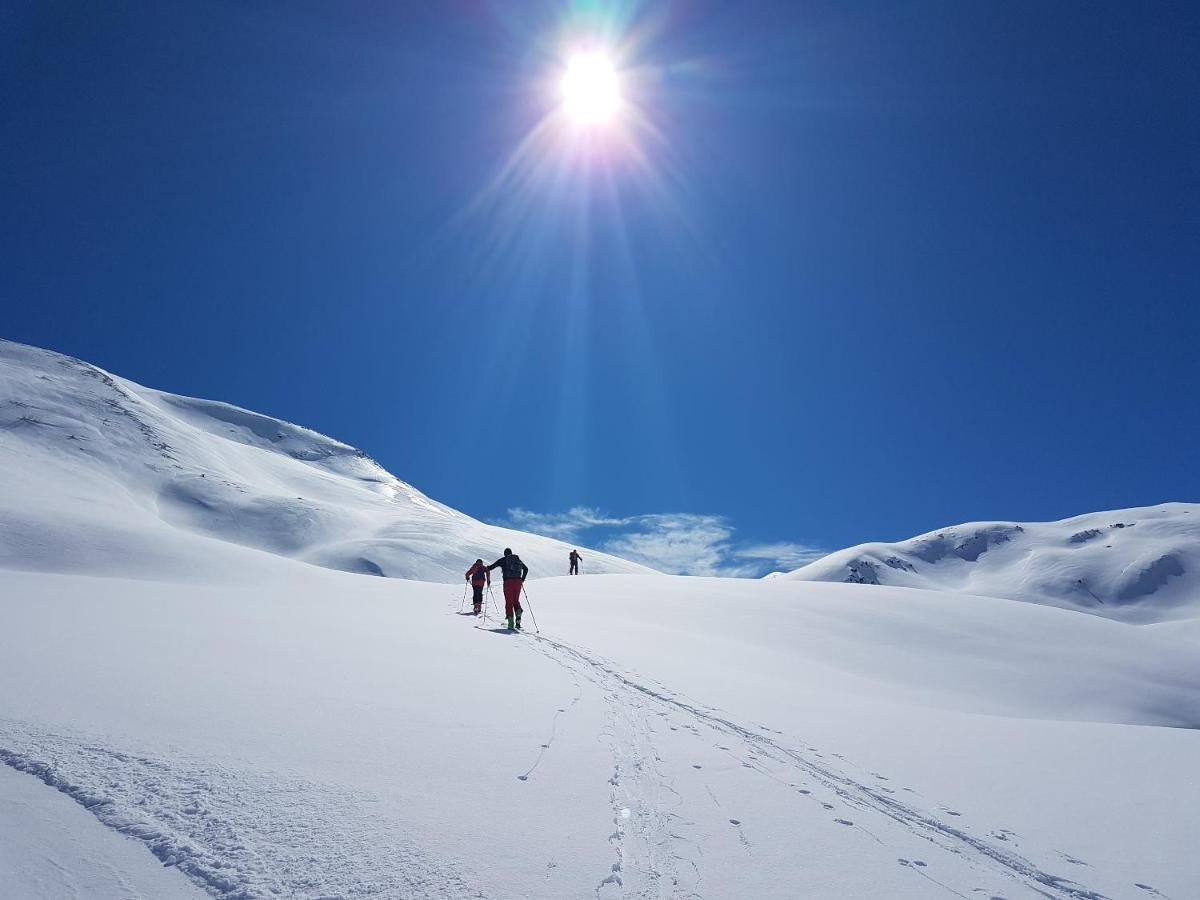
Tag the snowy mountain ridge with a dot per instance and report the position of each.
(1137, 565)
(94, 467)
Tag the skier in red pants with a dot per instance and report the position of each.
(478, 575)
(514, 572)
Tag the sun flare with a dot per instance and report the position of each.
(591, 90)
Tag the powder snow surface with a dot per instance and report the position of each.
(321, 734)
(189, 708)
(1137, 565)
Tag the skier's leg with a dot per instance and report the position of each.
(512, 593)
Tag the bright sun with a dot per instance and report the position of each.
(591, 91)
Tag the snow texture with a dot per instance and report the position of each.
(1136, 565)
(331, 735)
(53, 849)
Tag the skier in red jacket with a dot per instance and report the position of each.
(479, 575)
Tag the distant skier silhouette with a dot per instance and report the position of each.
(514, 572)
(575, 558)
(478, 575)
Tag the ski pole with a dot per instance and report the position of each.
(463, 603)
(536, 630)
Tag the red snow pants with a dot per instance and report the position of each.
(512, 597)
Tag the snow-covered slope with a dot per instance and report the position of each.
(1135, 565)
(663, 737)
(98, 474)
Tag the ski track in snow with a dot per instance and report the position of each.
(653, 860)
(562, 710)
(250, 835)
(238, 835)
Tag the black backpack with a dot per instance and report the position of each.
(512, 567)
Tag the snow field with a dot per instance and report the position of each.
(334, 735)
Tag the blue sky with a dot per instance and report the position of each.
(859, 271)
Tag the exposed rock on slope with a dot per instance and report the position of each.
(1137, 565)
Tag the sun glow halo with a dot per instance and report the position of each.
(591, 91)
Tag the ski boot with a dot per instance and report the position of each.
(510, 623)
(518, 618)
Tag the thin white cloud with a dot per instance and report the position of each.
(564, 526)
(785, 554)
(678, 543)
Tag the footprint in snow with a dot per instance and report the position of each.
(843, 821)
(827, 805)
(739, 822)
(694, 766)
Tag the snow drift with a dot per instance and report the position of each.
(1135, 565)
(93, 468)
(662, 737)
